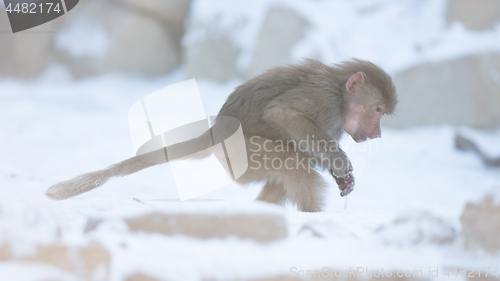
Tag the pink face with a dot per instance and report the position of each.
(370, 124)
(362, 121)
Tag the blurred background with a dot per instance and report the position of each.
(420, 201)
(443, 54)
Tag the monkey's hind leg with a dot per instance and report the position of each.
(303, 186)
(273, 192)
(305, 189)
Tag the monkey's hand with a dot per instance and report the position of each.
(346, 184)
(341, 171)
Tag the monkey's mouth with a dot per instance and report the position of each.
(361, 137)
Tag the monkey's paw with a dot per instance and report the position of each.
(346, 184)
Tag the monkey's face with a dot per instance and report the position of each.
(364, 110)
(362, 121)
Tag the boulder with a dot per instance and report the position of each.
(31, 235)
(132, 37)
(90, 262)
(259, 227)
(174, 11)
(27, 53)
(481, 223)
(171, 12)
(415, 229)
(108, 36)
(474, 14)
(213, 57)
(462, 92)
(141, 277)
(281, 30)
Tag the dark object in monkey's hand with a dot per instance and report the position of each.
(346, 184)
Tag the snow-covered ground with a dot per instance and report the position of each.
(54, 128)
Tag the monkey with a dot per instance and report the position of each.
(289, 104)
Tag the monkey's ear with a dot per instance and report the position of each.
(355, 80)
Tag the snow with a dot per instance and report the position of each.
(415, 228)
(81, 38)
(393, 34)
(34, 271)
(54, 128)
(493, 194)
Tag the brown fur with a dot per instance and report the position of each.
(285, 103)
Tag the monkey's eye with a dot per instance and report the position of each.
(379, 109)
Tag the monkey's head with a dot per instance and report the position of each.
(369, 95)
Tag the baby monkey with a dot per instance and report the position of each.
(284, 107)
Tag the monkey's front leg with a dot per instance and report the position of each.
(346, 181)
(297, 126)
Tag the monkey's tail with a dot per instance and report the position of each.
(89, 181)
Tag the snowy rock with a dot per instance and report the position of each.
(27, 53)
(474, 14)
(171, 12)
(31, 234)
(214, 48)
(90, 262)
(460, 92)
(326, 229)
(481, 223)
(416, 229)
(213, 57)
(281, 30)
(141, 277)
(105, 36)
(259, 227)
(133, 37)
